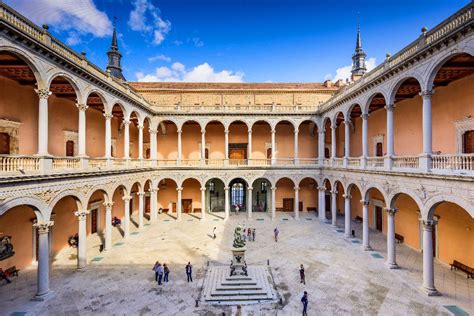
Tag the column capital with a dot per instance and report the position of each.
(364, 116)
(127, 198)
(322, 132)
(226, 130)
(81, 215)
(346, 196)
(273, 130)
(179, 189)
(203, 188)
(429, 224)
(333, 127)
(82, 107)
(365, 202)
(154, 190)
(108, 116)
(179, 131)
(389, 107)
(140, 127)
(347, 122)
(426, 94)
(43, 227)
(108, 204)
(321, 188)
(296, 131)
(140, 193)
(126, 122)
(43, 94)
(334, 192)
(226, 188)
(273, 188)
(249, 130)
(296, 188)
(203, 131)
(391, 211)
(152, 131)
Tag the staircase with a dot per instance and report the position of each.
(222, 289)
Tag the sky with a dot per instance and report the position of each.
(237, 40)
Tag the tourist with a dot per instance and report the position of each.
(304, 300)
(160, 210)
(166, 270)
(249, 234)
(155, 268)
(4, 276)
(189, 272)
(158, 272)
(214, 233)
(253, 234)
(244, 268)
(302, 277)
(237, 208)
(275, 233)
(116, 221)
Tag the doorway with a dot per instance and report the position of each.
(378, 218)
(69, 148)
(288, 205)
(94, 221)
(187, 205)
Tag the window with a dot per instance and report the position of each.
(468, 142)
(69, 148)
(4, 144)
(379, 150)
(212, 187)
(326, 153)
(237, 194)
(263, 186)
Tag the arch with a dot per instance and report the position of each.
(213, 121)
(69, 192)
(293, 181)
(123, 186)
(132, 184)
(236, 178)
(293, 123)
(325, 120)
(73, 82)
(100, 94)
(100, 188)
(209, 178)
(432, 203)
(398, 83)
(182, 123)
(432, 71)
(366, 194)
(120, 105)
(180, 184)
(30, 62)
(298, 182)
(351, 185)
(338, 183)
(352, 108)
(367, 107)
(392, 198)
(337, 118)
(137, 114)
(40, 208)
(270, 124)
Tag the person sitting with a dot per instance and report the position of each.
(116, 221)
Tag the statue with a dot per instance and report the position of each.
(238, 240)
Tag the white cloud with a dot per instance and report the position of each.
(200, 73)
(79, 17)
(197, 42)
(345, 72)
(145, 17)
(159, 57)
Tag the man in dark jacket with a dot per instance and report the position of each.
(189, 272)
(304, 300)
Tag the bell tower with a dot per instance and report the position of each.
(358, 59)
(114, 56)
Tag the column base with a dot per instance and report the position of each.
(392, 265)
(367, 248)
(41, 297)
(430, 291)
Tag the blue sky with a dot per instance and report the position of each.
(237, 40)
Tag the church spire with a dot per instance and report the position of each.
(114, 56)
(358, 58)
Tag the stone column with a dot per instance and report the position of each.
(347, 215)
(227, 202)
(273, 146)
(154, 204)
(425, 157)
(43, 95)
(297, 203)
(126, 139)
(140, 141)
(82, 246)
(108, 225)
(203, 146)
(296, 159)
(178, 203)
(43, 290)
(81, 151)
(179, 147)
(273, 202)
(226, 144)
(153, 148)
(365, 141)
(203, 202)
(333, 141)
(141, 198)
(321, 136)
(322, 203)
(249, 146)
(334, 208)
(108, 135)
(126, 224)
(388, 157)
(391, 249)
(428, 268)
(365, 225)
(347, 142)
(249, 202)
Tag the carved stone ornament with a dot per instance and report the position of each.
(47, 195)
(43, 94)
(82, 107)
(6, 247)
(43, 227)
(81, 215)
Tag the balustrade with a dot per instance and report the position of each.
(97, 162)
(66, 163)
(375, 162)
(405, 162)
(453, 162)
(19, 163)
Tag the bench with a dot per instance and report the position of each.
(358, 219)
(12, 271)
(399, 238)
(456, 265)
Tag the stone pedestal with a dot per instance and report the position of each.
(238, 259)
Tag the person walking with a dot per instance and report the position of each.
(275, 233)
(155, 269)
(159, 272)
(304, 300)
(166, 271)
(253, 234)
(189, 272)
(302, 276)
(214, 233)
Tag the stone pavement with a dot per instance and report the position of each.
(341, 278)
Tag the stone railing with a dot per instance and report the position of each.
(19, 163)
(405, 162)
(238, 162)
(98, 162)
(252, 108)
(307, 161)
(375, 162)
(119, 162)
(353, 162)
(260, 162)
(453, 162)
(66, 163)
(337, 162)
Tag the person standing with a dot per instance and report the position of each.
(166, 270)
(302, 276)
(189, 272)
(155, 269)
(249, 234)
(237, 209)
(214, 233)
(253, 234)
(159, 271)
(304, 300)
(275, 233)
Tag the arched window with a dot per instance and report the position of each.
(237, 194)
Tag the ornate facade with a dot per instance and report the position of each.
(80, 141)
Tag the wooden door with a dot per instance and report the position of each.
(187, 205)
(147, 154)
(288, 205)
(378, 218)
(94, 223)
(269, 153)
(4, 144)
(300, 207)
(237, 153)
(147, 204)
(468, 142)
(69, 148)
(379, 150)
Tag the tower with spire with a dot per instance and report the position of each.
(114, 57)
(358, 58)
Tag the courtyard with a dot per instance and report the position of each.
(341, 278)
